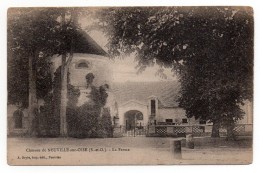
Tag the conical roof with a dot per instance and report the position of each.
(83, 43)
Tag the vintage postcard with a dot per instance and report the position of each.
(130, 85)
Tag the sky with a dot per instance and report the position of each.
(124, 69)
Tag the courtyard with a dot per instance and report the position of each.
(126, 151)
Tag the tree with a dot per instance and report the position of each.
(47, 31)
(28, 34)
(210, 48)
(220, 76)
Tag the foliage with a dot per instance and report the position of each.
(106, 124)
(18, 82)
(48, 119)
(220, 76)
(210, 48)
(86, 121)
(73, 95)
(102, 95)
(48, 122)
(28, 34)
(37, 33)
(83, 121)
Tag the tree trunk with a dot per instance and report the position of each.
(33, 107)
(215, 130)
(64, 84)
(63, 104)
(63, 87)
(230, 130)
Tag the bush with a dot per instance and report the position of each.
(106, 123)
(83, 121)
(47, 122)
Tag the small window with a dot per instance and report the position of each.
(184, 120)
(168, 121)
(82, 64)
(162, 123)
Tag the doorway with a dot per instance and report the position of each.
(134, 123)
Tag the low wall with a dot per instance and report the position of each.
(195, 130)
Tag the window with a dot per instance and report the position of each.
(153, 109)
(168, 121)
(184, 120)
(82, 64)
(162, 123)
(18, 119)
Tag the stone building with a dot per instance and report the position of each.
(137, 104)
(144, 103)
(150, 103)
(88, 57)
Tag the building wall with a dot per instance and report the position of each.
(11, 130)
(176, 114)
(11, 108)
(132, 105)
(179, 113)
(100, 66)
(156, 105)
(248, 109)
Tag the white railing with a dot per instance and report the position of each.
(196, 130)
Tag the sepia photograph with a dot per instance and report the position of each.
(169, 85)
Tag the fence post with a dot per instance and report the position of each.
(176, 149)
(189, 141)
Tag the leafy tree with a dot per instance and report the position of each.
(90, 119)
(106, 124)
(32, 32)
(28, 34)
(220, 76)
(210, 48)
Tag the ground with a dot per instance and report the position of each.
(126, 150)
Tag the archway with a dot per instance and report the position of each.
(133, 119)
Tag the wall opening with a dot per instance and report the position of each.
(153, 107)
(133, 119)
(82, 64)
(18, 119)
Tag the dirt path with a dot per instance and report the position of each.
(122, 151)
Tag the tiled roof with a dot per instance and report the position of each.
(85, 44)
(167, 92)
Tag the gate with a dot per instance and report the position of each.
(136, 132)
